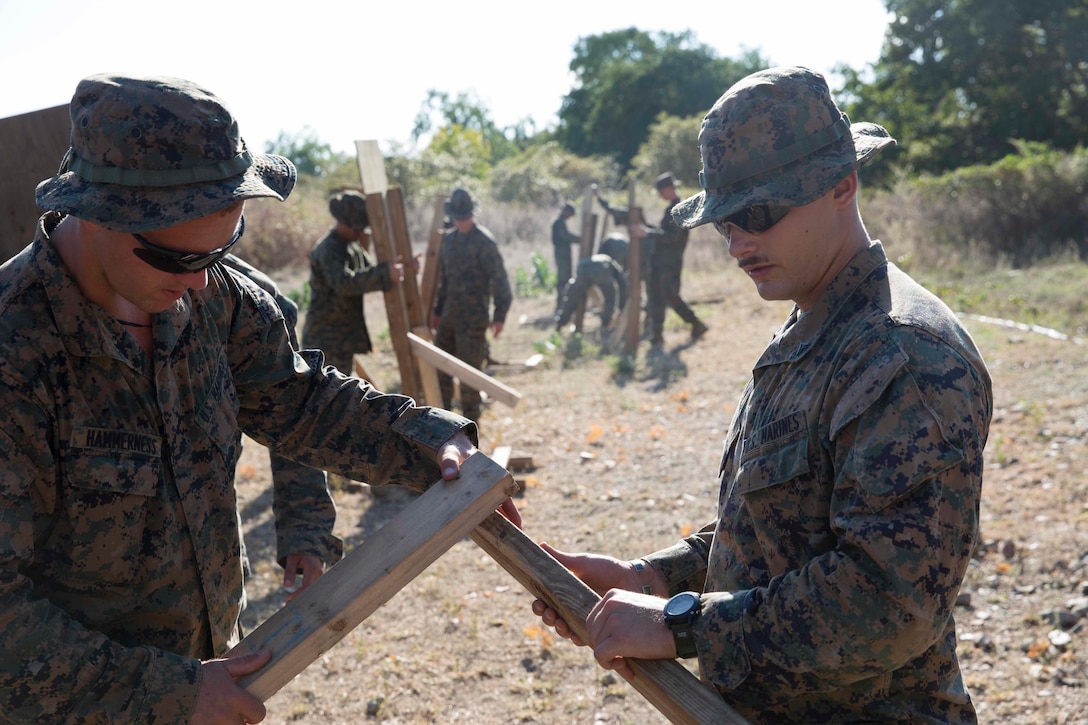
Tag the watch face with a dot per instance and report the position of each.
(681, 604)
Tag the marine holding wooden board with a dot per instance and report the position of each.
(130, 364)
(852, 471)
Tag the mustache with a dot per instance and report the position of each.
(751, 261)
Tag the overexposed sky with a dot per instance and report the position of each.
(360, 70)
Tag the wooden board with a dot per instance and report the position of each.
(634, 276)
(464, 372)
(32, 146)
(667, 684)
(428, 376)
(372, 573)
(395, 308)
(371, 167)
(429, 285)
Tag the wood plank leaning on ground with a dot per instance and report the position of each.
(667, 684)
(373, 572)
(461, 370)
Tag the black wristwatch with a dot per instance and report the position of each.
(680, 614)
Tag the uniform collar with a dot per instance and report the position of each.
(801, 331)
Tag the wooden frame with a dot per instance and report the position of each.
(372, 573)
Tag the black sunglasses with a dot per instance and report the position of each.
(175, 262)
(753, 219)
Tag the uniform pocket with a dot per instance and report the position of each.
(772, 465)
(106, 502)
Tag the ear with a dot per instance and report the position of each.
(846, 190)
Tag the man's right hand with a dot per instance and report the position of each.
(220, 700)
(600, 573)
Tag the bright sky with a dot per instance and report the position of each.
(360, 69)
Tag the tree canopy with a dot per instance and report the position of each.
(625, 79)
(958, 81)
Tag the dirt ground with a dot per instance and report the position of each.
(624, 463)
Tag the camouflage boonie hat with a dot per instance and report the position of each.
(349, 207)
(775, 137)
(149, 153)
(461, 205)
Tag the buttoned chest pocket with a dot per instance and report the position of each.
(106, 502)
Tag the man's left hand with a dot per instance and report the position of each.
(627, 624)
(308, 566)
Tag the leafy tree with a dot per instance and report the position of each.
(466, 112)
(546, 174)
(625, 78)
(958, 81)
(671, 145)
(308, 153)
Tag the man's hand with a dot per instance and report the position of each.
(396, 269)
(496, 329)
(601, 574)
(456, 451)
(625, 624)
(220, 700)
(311, 568)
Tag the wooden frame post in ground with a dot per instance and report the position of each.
(372, 172)
(634, 274)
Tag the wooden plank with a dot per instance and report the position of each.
(361, 372)
(429, 285)
(372, 573)
(634, 274)
(667, 684)
(402, 245)
(394, 298)
(464, 372)
(428, 376)
(371, 167)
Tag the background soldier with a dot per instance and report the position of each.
(470, 276)
(341, 273)
(302, 506)
(606, 272)
(663, 286)
(562, 239)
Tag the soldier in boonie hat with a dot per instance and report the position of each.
(149, 153)
(349, 207)
(775, 138)
(461, 205)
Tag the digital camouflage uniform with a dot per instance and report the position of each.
(119, 551)
(562, 240)
(470, 276)
(600, 271)
(304, 511)
(669, 241)
(341, 273)
(849, 509)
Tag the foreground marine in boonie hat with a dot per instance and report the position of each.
(776, 137)
(150, 153)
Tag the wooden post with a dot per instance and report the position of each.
(585, 247)
(372, 573)
(667, 684)
(402, 245)
(375, 185)
(430, 259)
(394, 298)
(634, 274)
